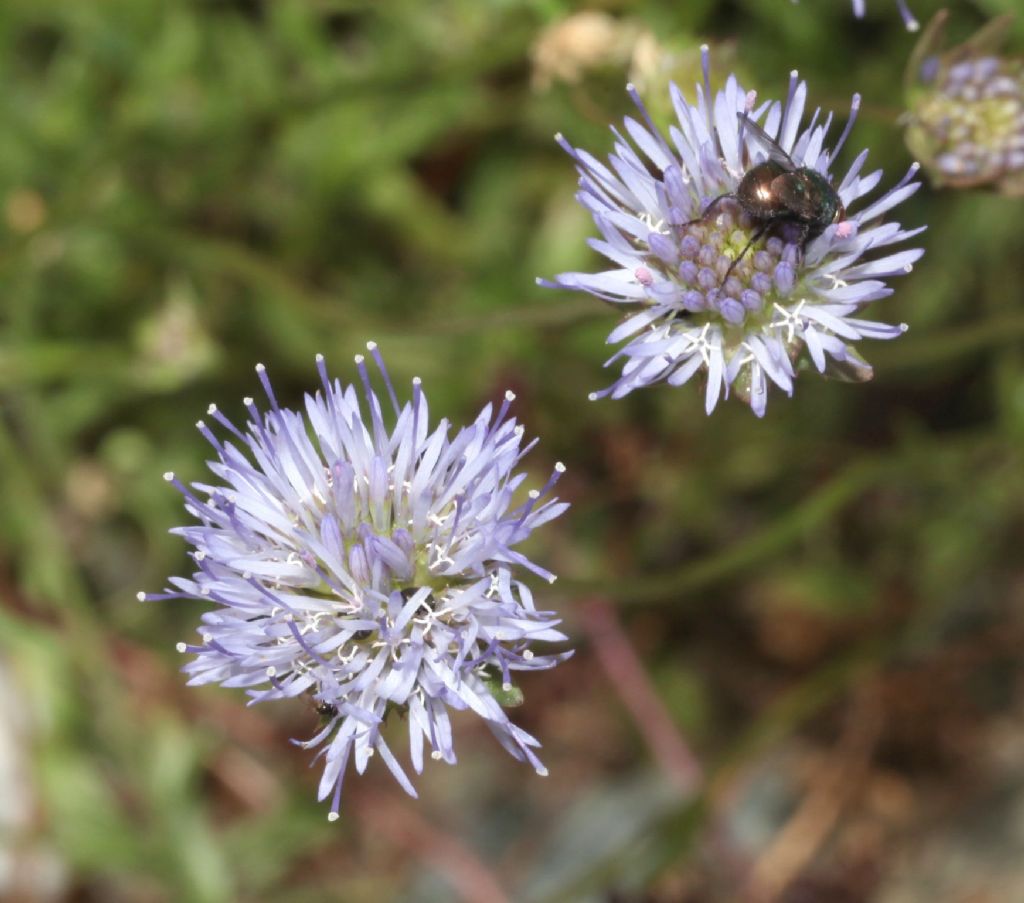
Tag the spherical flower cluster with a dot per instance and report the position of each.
(966, 110)
(371, 569)
(709, 288)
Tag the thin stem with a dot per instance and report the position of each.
(260, 274)
(833, 786)
(631, 683)
(937, 347)
(769, 541)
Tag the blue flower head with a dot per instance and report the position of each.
(371, 568)
(695, 302)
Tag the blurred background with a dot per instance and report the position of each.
(798, 672)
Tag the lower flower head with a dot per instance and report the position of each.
(737, 253)
(371, 568)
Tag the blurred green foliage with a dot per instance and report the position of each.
(188, 188)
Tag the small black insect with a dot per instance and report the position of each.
(778, 192)
(327, 711)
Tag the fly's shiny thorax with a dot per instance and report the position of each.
(770, 192)
(758, 191)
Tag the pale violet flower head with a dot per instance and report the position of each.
(695, 304)
(358, 556)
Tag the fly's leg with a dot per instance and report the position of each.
(801, 243)
(708, 209)
(743, 253)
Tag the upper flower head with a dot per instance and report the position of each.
(966, 108)
(738, 288)
(369, 568)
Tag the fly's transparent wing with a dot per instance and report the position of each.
(776, 153)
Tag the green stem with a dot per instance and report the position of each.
(936, 347)
(763, 544)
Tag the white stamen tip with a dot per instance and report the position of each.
(527, 654)
(558, 136)
(319, 358)
(630, 87)
(247, 401)
(437, 755)
(704, 48)
(211, 410)
(207, 638)
(904, 327)
(542, 771)
(169, 476)
(271, 671)
(200, 555)
(371, 346)
(507, 687)
(140, 596)
(332, 816)
(200, 425)
(260, 368)
(416, 381)
(559, 467)
(181, 647)
(510, 395)
(246, 575)
(793, 73)
(855, 102)
(204, 591)
(360, 358)
(592, 396)
(552, 578)
(909, 268)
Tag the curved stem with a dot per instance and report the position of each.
(773, 538)
(942, 345)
